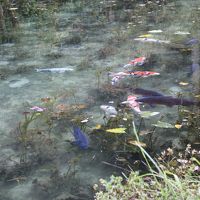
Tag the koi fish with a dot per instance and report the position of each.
(56, 70)
(142, 73)
(166, 100)
(80, 138)
(195, 67)
(132, 103)
(113, 74)
(120, 75)
(109, 111)
(117, 77)
(135, 62)
(152, 40)
(193, 41)
(144, 92)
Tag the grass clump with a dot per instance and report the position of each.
(149, 186)
(161, 181)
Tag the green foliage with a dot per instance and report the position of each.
(148, 187)
(27, 8)
(158, 184)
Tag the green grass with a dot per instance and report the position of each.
(159, 184)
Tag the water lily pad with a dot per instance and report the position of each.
(148, 114)
(116, 130)
(163, 125)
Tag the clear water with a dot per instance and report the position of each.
(62, 171)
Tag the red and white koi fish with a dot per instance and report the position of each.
(136, 62)
(143, 73)
(120, 75)
(116, 77)
(113, 74)
(152, 40)
(132, 103)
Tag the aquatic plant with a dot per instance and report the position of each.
(85, 64)
(106, 51)
(190, 121)
(24, 137)
(29, 117)
(159, 183)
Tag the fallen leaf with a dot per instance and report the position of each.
(163, 125)
(155, 31)
(147, 114)
(178, 126)
(116, 130)
(85, 120)
(98, 126)
(145, 36)
(144, 132)
(137, 143)
(181, 33)
(183, 83)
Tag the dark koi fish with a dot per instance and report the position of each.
(80, 138)
(166, 100)
(193, 41)
(144, 92)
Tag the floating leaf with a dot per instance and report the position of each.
(178, 126)
(147, 114)
(116, 130)
(155, 31)
(97, 127)
(181, 33)
(137, 143)
(144, 132)
(145, 36)
(85, 120)
(163, 125)
(183, 83)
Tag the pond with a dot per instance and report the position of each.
(65, 62)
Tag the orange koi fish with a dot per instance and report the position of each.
(136, 62)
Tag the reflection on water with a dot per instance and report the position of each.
(92, 41)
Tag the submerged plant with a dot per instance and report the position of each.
(29, 117)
